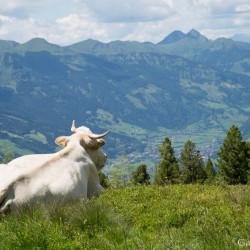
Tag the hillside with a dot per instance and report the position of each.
(174, 217)
(186, 86)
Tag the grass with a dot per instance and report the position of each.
(136, 217)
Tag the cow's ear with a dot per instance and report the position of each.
(62, 141)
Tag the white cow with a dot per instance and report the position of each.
(66, 175)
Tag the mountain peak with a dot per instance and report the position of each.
(179, 35)
(38, 44)
(173, 37)
(196, 35)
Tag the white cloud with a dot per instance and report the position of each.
(129, 10)
(30, 5)
(78, 27)
(6, 18)
(243, 8)
(11, 26)
(69, 21)
(222, 7)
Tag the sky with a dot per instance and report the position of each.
(66, 22)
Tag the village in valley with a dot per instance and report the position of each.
(208, 148)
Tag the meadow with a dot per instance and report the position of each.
(137, 217)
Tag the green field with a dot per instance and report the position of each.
(137, 217)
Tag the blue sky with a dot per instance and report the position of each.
(66, 22)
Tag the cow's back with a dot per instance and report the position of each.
(59, 177)
(31, 161)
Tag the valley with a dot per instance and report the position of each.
(184, 87)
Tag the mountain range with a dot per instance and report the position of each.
(184, 87)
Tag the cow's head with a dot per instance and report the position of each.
(91, 142)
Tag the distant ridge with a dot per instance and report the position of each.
(179, 35)
(241, 38)
(38, 44)
(86, 45)
(7, 45)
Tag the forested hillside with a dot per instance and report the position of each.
(186, 86)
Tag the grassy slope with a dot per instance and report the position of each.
(174, 217)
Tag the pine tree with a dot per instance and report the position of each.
(248, 161)
(192, 164)
(167, 171)
(140, 175)
(210, 171)
(232, 160)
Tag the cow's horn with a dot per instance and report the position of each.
(95, 136)
(73, 127)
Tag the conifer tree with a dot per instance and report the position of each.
(210, 171)
(248, 161)
(248, 152)
(167, 171)
(192, 164)
(140, 175)
(232, 158)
